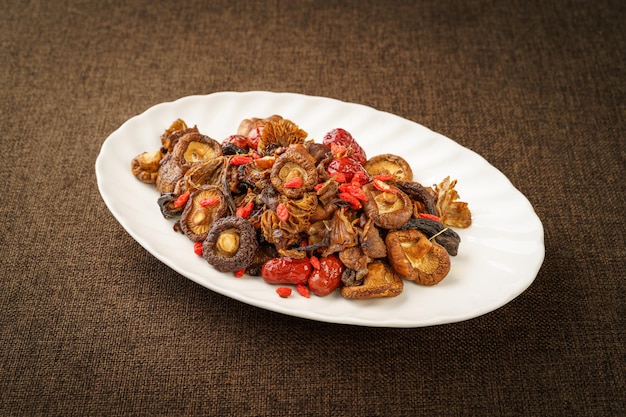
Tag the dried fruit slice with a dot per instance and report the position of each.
(198, 217)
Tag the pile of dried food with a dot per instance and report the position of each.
(270, 202)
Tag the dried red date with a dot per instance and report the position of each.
(344, 138)
(286, 271)
(327, 278)
(347, 167)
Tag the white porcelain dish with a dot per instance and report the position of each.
(499, 256)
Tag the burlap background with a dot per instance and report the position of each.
(92, 324)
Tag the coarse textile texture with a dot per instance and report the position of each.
(91, 324)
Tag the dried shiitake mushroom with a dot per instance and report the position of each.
(294, 172)
(388, 209)
(443, 235)
(169, 209)
(381, 281)
(177, 129)
(145, 166)
(416, 258)
(389, 164)
(194, 148)
(422, 197)
(190, 149)
(205, 173)
(204, 206)
(230, 244)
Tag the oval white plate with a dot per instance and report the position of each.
(499, 255)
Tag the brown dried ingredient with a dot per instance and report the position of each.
(355, 259)
(423, 197)
(197, 219)
(205, 173)
(171, 135)
(451, 212)
(444, 236)
(416, 258)
(145, 166)
(342, 232)
(279, 134)
(388, 210)
(381, 281)
(194, 148)
(372, 243)
(389, 164)
(295, 162)
(230, 244)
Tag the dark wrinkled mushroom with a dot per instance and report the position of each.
(205, 173)
(170, 172)
(167, 207)
(293, 172)
(381, 281)
(145, 166)
(194, 148)
(417, 192)
(175, 131)
(388, 209)
(444, 236)
(416, 258)
(204, 206)
(389, 164)
(230, 244)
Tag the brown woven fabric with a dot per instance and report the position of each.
(91, 324)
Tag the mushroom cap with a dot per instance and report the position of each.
(196, 219)
(231, 244)
(416, 258)
(381, 281)
(388, 210)
(388, 163)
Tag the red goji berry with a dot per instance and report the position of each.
(315, 263)
(339, 177)
(295, 182)
(360, 177)
(181, 200)
(239, 273)
(245, 211)
(384, 187)
(303, 290)
(284, 292)
(206, 202)
(318, 186)
(383, 177)
(197, 248)
(428, 216)
(338, 150)
(354, 189)
(354, 202)
(282, 212)
(241, 160)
